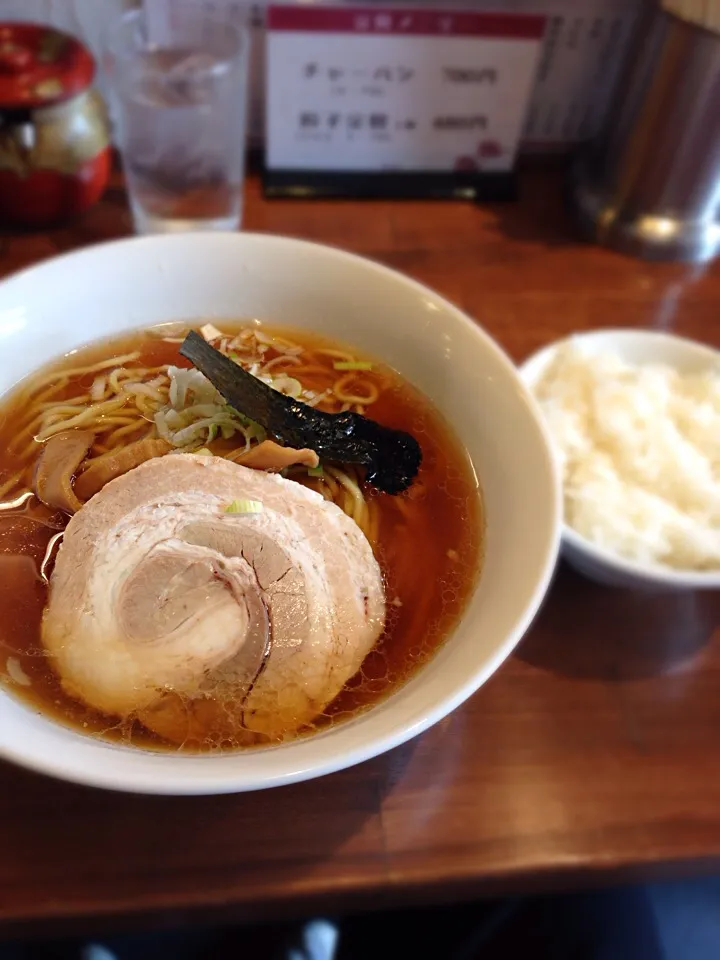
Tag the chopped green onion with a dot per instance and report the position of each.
(352, 365)
(245, 421)
(316, 471)
(244, 506)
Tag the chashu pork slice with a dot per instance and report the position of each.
(162, 601)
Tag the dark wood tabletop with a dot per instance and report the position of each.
(593, 754)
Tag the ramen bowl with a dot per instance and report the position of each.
(104, 291)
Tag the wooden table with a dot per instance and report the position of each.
(593, 754)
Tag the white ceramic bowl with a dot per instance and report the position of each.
(66, 302)
(634, 347)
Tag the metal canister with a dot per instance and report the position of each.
(650, 185)
(55, 153)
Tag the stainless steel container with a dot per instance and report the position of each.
(651, 184)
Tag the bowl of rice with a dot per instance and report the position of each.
(634, 418)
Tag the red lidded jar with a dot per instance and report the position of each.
(54, 130)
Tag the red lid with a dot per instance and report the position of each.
(40, 66)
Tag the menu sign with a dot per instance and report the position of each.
(402, 89)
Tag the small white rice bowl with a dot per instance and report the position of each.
(635, 421)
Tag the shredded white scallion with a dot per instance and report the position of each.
(97, 391)
(197, 413)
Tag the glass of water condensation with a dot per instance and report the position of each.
(179, 89)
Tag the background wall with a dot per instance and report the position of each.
(584, 47)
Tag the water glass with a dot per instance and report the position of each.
(179, 92)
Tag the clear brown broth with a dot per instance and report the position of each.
(429, 548)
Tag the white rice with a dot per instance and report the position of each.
(639, 449)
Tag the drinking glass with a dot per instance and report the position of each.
(179, 91)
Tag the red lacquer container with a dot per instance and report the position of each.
(54, 130)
